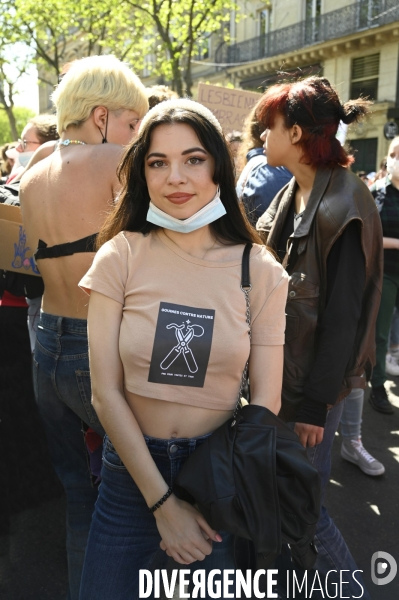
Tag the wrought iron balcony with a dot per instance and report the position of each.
(359, 16)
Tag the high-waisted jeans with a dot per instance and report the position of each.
(124, 537)
(63, 392)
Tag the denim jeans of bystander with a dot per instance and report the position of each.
(394, 333)
(33, 318)
(389, 300)
(352, 411)
(63, 393)
(333, 553)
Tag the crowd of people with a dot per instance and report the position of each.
(139, 208)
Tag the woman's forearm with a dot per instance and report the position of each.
(266, 376)
(125, 434)
(185, 534)
(109, 402)
(390, 243)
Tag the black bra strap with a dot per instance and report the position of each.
(86, 244)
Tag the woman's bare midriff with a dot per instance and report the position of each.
(168, 420)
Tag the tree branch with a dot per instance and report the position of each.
(43, 80)
(134, 5)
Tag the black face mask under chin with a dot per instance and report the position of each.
(105, 141)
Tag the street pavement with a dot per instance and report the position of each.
(32, 555)
(365, 508)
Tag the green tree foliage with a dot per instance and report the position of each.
(22, 116)
(178, 28)
(11, 70)
(168, 31)
(59, 31)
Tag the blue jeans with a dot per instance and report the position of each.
(63, 393)
(333, 553)
(394, 334)
(351, 419)
(124, 537)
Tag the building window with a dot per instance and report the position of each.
(202, 49)
(368, 10)
(313, 9)
(264, 21)
(312, 19)
(365, 153)
(364, 79)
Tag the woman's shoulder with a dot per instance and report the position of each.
(343, 175)
(127, 239)
(121, 252)
(265, 266)
(347, 196)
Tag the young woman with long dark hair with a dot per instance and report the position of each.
(169, 341)
(325, 227)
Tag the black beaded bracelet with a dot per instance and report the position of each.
(161, 501)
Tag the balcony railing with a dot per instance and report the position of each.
(360, 16)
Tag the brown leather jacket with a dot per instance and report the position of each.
(337, 198)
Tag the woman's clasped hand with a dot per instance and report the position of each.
(186, 536)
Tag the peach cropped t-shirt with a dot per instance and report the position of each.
(183, 335)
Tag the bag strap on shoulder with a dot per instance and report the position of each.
(246, 288)
(245, 279)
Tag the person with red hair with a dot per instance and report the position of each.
(325, 227)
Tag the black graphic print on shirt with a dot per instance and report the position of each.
(182, 345)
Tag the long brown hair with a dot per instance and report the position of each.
(131, 211)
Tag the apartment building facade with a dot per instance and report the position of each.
(353, 43)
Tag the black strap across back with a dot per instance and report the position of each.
(86, 244)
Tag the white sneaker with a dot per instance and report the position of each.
(355, 452)
(391, 365)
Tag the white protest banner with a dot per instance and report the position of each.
(230, 106)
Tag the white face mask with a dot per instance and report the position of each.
(393, 166)
(206, 215)
(24, 158)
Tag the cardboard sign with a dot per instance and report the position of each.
(15, 253)
(230, 106)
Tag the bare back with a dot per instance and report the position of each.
(64, 198)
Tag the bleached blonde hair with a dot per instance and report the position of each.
(97, 81)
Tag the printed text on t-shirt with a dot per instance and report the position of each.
(182, 345)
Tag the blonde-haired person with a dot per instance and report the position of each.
(64, 200)
(97, 77)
